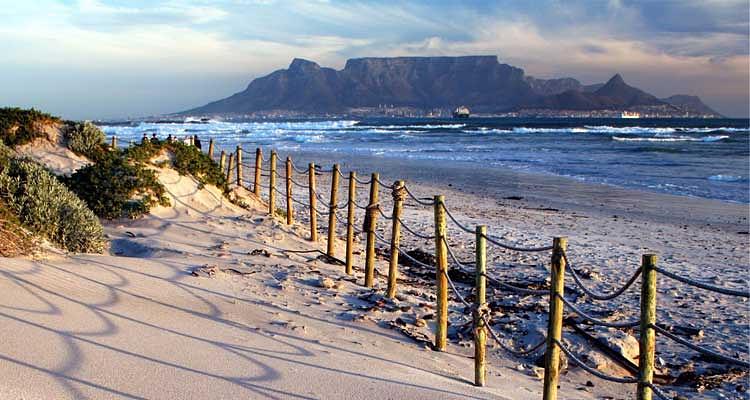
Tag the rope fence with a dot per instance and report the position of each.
(646, 325)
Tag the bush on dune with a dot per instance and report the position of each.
(114, 187)
(86, 139)
(46, 207)
(19, 126)
(189, 160)
(14, 239)
(186, 159)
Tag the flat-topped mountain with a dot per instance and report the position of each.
(481, 83)
(689, 104)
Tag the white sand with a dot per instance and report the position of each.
(137, 324)
(59, 159)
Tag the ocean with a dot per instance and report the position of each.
(707, 158)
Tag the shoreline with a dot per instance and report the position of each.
(544, 191)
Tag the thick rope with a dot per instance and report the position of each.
(658, 392)
(513, 288)
(403, 253)
(398, 193)
(301, 202)
(299, 184)
(388, 217)
(418, 200)
(463, 267)
(510, 349)
(600, 296)
(590, 370)
(363, 182)
(309, 206)
(712, 288)
(455, 290)
(484, 313)
(322, 200)
(700, 349)
(596, 321)
(419, 235)
(383, 184)
(494, 241)
(360, 207)
(299, 171)
(463, 227)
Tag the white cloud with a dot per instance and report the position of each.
(181, 41)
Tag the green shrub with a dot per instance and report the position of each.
(187, 160)
(86, 139)
(143, 152)
(115, 187)
(46, 207)
(5, 155)
(18, 126)
(14, 239)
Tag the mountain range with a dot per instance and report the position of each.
(481, 83)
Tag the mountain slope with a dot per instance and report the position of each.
(549, 87)
(479, 82)
(692, 104)
(432, 83)
(617, 92)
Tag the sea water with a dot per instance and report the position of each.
(707, 158)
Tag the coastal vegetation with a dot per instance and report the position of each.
(124, 183)
(19, 126)
(115, 187)
(36, 203)
(185, 159)
(86, 139)
(43, 205)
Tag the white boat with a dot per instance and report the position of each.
(461, 112)
(628, 114)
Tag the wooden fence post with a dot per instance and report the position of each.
(313, 203)
(239, 166)
(258, 166)
(332, 211)
(211, 148)
(554, 325)
(223, 160)
(647, 342)
(350, 223)
(441, 260)
(371, 217)
(229, 167)
(114, 142)
(480, 330)
(399, 194)
(272, 186)
(289, 207)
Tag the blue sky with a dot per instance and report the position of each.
(108, 59)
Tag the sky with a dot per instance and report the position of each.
(97, 59)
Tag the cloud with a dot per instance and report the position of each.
(140, 47)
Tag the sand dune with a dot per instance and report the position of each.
(137, 324)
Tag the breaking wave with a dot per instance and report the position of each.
(671, 139)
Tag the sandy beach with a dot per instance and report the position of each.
(204, 299)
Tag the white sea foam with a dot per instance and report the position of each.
(665, 138)
(725, 178)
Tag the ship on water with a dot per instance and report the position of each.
(461, 112)
(629, 114)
